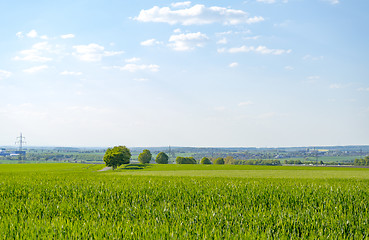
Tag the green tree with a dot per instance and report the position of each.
(229, 160)
(186, 160)
(145, 156)
(205, 160)
(162, 158)
(116, 156)
(219, 161)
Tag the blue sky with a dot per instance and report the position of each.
(264, 73)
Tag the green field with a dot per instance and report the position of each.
(69, 201)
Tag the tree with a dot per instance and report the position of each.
(186, 160)
(219, 161)
(116, 156)
(205, 160)
(145, 156)
(162, 158)
(229, 160)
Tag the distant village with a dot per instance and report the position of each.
(5, 153)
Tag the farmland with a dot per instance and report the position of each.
(183, 202)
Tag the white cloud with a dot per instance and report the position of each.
(248, 103)
(151, 42)
(36, 53)
(93, 52)
(222, 41)
(132, 60)
(19, 35)
(35, 69)
(252, 38)
(4, 74)
(181, 4)
(336, 86)
(312, 79)
(67, 73)
(224, 33)
(267, 115)
(189, 41)
(197, 15)
(233, 65)
(266, 1)
(32, 34)
(363, 89)
(271, 1)
(177, 30)
(112, 53)
(220, 108)
(66, 36)
(259, 49)
(141, 79)
(289, 68)
(44, 37)
(312, 58)
(333, 2)
(131, 67)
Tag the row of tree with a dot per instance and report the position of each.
(116, 156)
(362, 162)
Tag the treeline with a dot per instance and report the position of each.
(362, 162)
(298, 162)
(227, 160)
(63, 157)
(259, 162)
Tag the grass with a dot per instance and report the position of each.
(74, 201)
(244, 171)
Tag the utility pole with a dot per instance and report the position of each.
(20, 141)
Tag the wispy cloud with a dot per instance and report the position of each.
(197, 15)
(333, 2)
(66, 36)
(68, 73)
(132, 60)
(151, 42)
(36, 53)
(247, 103)
(19, 35)
(93, 52)
(289, 68)
(363, 89)
(4, 74)
(141, 79)
(132, 67)
(336, 86)
(233, 65)
(266, 1)
(189, 41)
(259, 49)
(35, 69)
(222, 41)
(313, 58)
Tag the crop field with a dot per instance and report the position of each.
(69, 201)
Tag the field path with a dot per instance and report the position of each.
(104, 169)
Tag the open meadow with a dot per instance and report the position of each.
(68, 201)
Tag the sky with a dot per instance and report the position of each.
(255, 73)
